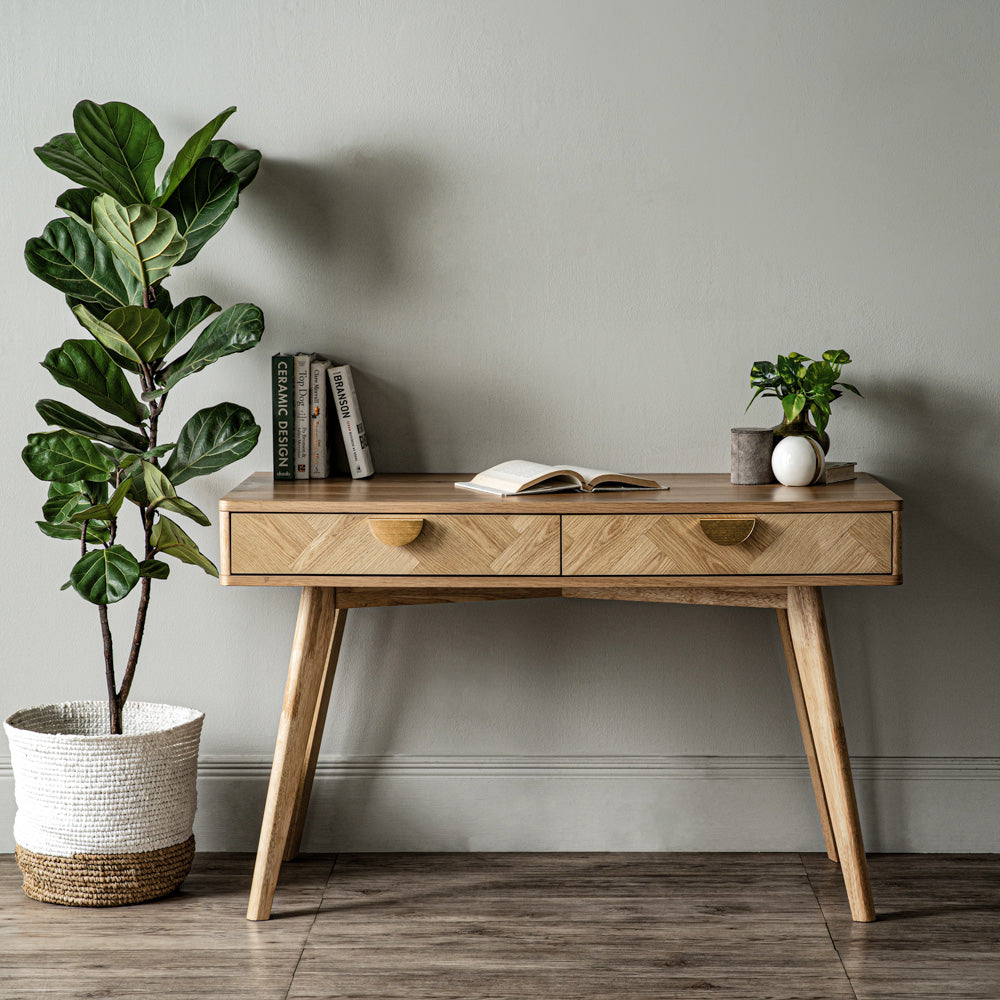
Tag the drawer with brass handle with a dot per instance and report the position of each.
(726, 545)
(303, 544)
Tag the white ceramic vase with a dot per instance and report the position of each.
(797, 461)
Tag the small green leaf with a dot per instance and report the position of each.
(161, 493)
(65, 155)
(66, 457)
(61, 415)
(96, 534)
(83, 365)
(144, 239)
(162, 303)
(60, 507)
(154, 569)
(104, 511)
(109, 338)
(70, 257)
(236, 329)
(242, 162)
(212, 439)
(793, 405)
(850, 388)
(202, 203)
(125, 145)
(137, 334)
(66, 585)
(171, 540)
(839, 357)
(76, 203)
(105, 576)
(189, 155)
(189, 314)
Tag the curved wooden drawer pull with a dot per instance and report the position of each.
(727, 530)
(395, 530)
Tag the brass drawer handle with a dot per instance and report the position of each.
(395, 530)
(728, 530)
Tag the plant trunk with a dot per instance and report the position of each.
(114, 703)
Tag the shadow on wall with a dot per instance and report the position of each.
(345, 225)
(346, 220)
(925, 657)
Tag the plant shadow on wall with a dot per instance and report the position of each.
(346, 223)
(932, 644)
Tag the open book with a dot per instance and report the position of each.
(519, 478)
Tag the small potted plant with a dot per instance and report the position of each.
(106, 791)
(806, 389)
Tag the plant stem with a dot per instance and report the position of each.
(156, 407)
(140, 625)
(114, 704)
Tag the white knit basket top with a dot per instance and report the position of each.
(81, 790)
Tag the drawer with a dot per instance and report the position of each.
(677, 545)
(344, 545)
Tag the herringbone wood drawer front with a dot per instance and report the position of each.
(343, 544)
(676, 545)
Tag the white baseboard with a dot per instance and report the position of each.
(594, 803)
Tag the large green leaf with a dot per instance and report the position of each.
(135, 333)
(242, 162)
(105, 576)
(85, 366)
(71, 532)
(189, 155)
(186, 317)
(52, 411)
(202, 203)
(170, 539)
(161, 493)
(65, 154)
(125, 145)
(65, 457)
(76, 203)
(212, 439)
(236, 329)
(70, 257)
(144, 239)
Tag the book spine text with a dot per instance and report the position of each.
(319, 458)
(345, 405)
(282, 416)
(301, 467)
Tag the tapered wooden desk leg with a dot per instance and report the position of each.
(315, 739)
(807, 625)
(314, 632)
(807, 736)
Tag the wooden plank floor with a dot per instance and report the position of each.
(470, 926)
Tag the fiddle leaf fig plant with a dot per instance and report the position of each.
(802, 385)
(123, 235)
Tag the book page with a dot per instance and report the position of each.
(518, 475)
(601, 479)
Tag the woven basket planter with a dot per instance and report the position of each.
(104, 820)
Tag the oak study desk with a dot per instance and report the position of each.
(416, 539)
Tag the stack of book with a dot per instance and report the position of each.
(308, 394)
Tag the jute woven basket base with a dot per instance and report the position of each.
(104, 879)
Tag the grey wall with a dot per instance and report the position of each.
(561, 230)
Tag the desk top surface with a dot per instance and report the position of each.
(437, 493)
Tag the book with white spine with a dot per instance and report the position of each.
(348, 414)
(302, 461)
(319, 445)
